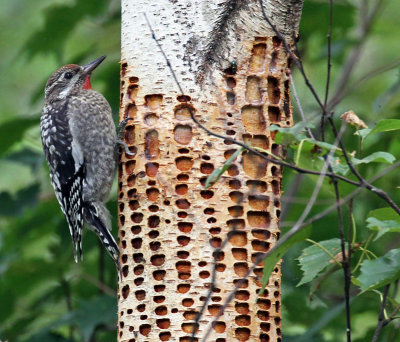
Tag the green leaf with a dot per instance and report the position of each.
(386, 125)
(287, 135)
(376, 157)
(271, 260)
(213, 177)
(323, 145)
(13, 130)
(314, 259)
(381, 271)
(306, 149)
(217, 173)
(355, 281)
(313, 147)
(363, 132)
(338, 166)
(383, 220)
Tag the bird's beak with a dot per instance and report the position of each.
(88, 68)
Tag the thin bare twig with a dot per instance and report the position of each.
(392, 315)
(328, 72)
(329, 62)
(363, 182)
(381, 321)
(345, 259)
(347, 198)
(381, 318)
(300, 107)
(350, 245)
(296, 183)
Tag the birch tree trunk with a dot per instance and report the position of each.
(233, 72)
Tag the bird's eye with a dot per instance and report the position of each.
(68, 75)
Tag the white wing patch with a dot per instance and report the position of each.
(77, 155)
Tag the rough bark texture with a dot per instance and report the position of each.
(170, 225)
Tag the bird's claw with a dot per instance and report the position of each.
(126, 148)
(121, 127)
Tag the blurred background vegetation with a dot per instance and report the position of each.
(44, 295)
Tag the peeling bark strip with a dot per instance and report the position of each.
(170, 226)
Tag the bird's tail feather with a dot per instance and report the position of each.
(75, 223)
(96, 222)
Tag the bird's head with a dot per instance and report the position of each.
(70, 79)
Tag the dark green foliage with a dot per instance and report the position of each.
(12, 132)
(315, 311)
(316, 16)
(60, 21)
(44, 295)
(379, 272)
(16, 205)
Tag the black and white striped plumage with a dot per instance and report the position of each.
(79, 142)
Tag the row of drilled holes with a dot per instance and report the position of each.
(219, 327)
(242, 334)
(151, 152)
(205, 172)
(253, 88)
(130, 111)
(157, 263)
(182, 135)
(184, 267)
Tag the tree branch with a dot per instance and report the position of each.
(381, 318)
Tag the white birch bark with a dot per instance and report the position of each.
(186, 28)
(170, 226)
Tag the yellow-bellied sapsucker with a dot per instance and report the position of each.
(80, 145)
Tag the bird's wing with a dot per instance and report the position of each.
(67, 169)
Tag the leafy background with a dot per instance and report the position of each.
(45, 296)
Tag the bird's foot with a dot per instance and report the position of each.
(120, 142)
(121, 127)
(126, 148)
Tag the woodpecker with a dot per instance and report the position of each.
(80, 144)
